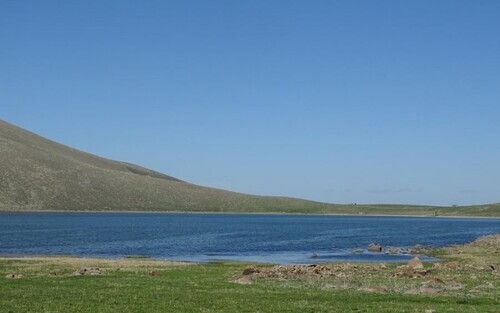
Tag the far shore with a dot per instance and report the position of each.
(250, 213)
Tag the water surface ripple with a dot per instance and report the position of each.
(240, 237)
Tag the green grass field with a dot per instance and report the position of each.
(49, 285)
(209, 289)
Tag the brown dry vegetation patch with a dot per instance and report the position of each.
(67, 266)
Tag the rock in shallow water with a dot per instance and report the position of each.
(374, 247)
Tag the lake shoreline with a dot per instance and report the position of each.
(252, 213)
(466, 280)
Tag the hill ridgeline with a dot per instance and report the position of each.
(37, 174)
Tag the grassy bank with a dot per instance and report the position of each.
(465, 282)
(480, 211)
(289, 206)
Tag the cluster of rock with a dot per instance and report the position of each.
(413, 269)
(421, 249)
(417, 249)
(87, 271)
(340, 270)
(289, 271)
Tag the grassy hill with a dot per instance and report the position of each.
(39, 174)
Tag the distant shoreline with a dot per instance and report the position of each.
(253, 213)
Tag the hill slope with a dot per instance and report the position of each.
(39, 174)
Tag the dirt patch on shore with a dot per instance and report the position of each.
(70, 266)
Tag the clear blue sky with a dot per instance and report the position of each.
(337, 101)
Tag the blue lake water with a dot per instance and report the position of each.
(247, 237)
